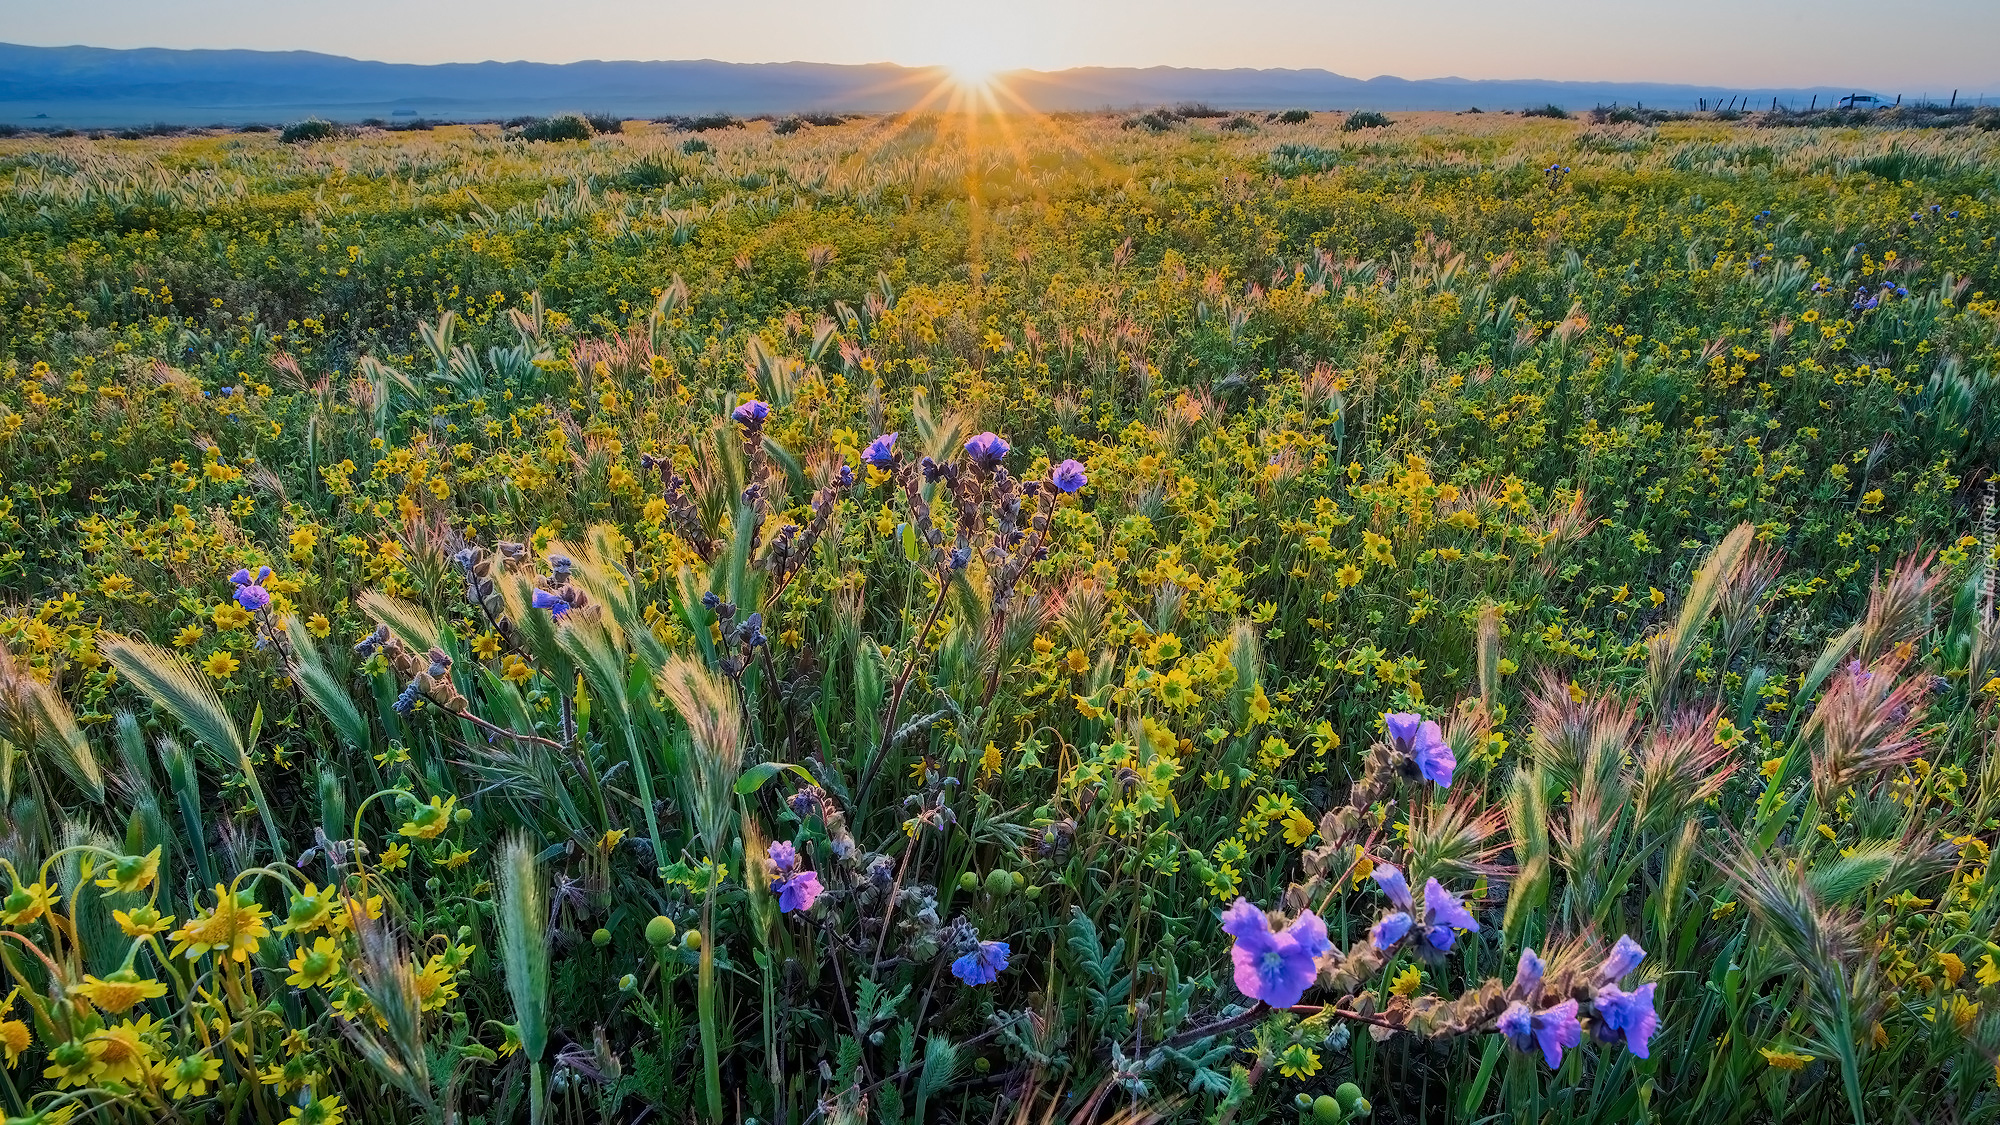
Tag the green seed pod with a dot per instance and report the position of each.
(692, 939)
(1326, 1111)
(627, 983)
(1347, 1094)
(659, 931)
(999, 882)
(968, 881)
(601, 938)
(462, 815)
(1303, 1101)
(1033, 892)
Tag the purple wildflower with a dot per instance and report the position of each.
(987, 449)
(1403, 727)
(1552, 1029)
(253, 597)
(1069, 476)
(555, 605)
(1434, 759)
(1391, 880)
(1443, 914)
(983, 965)
(798, 890)
(1275, 967)
(1625, 956)
(784, 857)
(1390, 930)
(751, 415)
(1528, 975)
(881, 452)
(1630, 1012)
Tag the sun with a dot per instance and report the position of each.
(974, 66)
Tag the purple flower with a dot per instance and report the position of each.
(1625, 956)
(1630, 1012)
(1390, 879)
(881, 452)
(983, 965)
(798, 890)
(1390, 930)
(242, 577)
(1528, 974)
(1434, 759)
(784, 857)
(1443, 914)
(555, 605)
(1069, 476)
(987, 449)
(1275, 967)
(1552, 1029)
(751, 415)
(253, 597)
(1403, 727)
(1412, 734)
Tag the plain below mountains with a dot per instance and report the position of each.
(94, 87)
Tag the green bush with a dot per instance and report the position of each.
(1365, 119)
(562, 127)
(304, 132)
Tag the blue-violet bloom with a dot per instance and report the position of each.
(1274, 966)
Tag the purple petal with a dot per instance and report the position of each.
(1557, 1028)
(784, 856)
(1390, 929)
(1245, 922)
(1630, 1012)
(1442, 909)
(1625, 956)
(1309, 932)
(1403, 726)
(1434, 758)
(1528, 974)
(1390, 879)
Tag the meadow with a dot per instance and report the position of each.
(1228, 619)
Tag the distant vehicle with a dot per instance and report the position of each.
(1852, 100)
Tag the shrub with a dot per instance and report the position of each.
(1239, 123)
(1296, 116)
(562, 127)
(693, 146)
(1365, 119)
(604, 122)
(1549, 110)
(307, 131)
(706, 123)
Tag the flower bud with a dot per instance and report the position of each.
(1325, 1110)
(462, 815)
(628, 983)
(969, 881)
(692, 939)
(659, 931)
(999, 882)
(601, 938)
(1348, 1095)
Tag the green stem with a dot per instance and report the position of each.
(705, 1005)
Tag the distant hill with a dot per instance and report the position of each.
(98, 87)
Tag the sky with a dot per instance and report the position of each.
(1909, 46)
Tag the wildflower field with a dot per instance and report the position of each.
(1476, 618)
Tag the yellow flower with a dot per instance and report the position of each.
(437, 984)
(1951, 968)
(293, 1073)
(1653, 594)
(1407, 982)
(311, 909)
(1079, 663)
(458, 858)
(320, 1111)
(14, 1037)
(189, 635)
(1260, 707)
(1298, 828)
(119, 991)
(233, 929)
(1784, 1059)
(229, 615)
(610, 840)
(1086, 708)
(25, 905)
(73, 1063)
(430, 820)
(318, 625)
(115, 585)
(312, 968)
(1348, 575)
(133, 873)
(515, 670)
(220, 665)
(188, 1077)
(1298, 1061)
(486, 646)
(1988, 974)
(143, 921)
(395, 856)
(123, 1055)
(989, 761)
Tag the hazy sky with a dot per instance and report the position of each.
(1911, 46)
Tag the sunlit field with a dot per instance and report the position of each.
(978, 617)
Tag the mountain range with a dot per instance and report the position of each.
(95, 87)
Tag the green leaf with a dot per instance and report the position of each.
(909, 533)
(754, 778)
